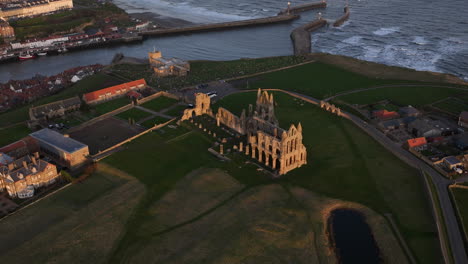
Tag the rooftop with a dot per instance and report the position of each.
(452, 160)
(58, 140)
(113, 89)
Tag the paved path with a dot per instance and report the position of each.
(441, 183)
(153, 112)
(394, 86)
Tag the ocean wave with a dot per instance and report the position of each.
(386, 31)
(182, 10)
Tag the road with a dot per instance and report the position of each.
(393, 86)
(441, 183)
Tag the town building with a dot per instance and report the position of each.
(22, 176)
(463, 119)
(113, 92)
(61, 148)
(40, 43)
(167, 66)
(409, 111)
(385, 115)
(452, 162)
(29, 8)
(53, 110)
(280, 149)
(427, 127)
(20, 148)
(6, 31)
(416, 142)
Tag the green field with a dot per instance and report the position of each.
(318, 80)
(14, 133)
(206, 71)
(65, 21)
(177, 110)
(85, 219)
(416, 96)
(453, 106)
(460, 197)
(109, 106)
(134, 114)
(159, 103)
(154, 121)
(343, 163)
(89, 84)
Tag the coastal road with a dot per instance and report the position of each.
(441, 183)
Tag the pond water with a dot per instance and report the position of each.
(352, 238)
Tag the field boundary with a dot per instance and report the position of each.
(96, 157)
(457, 209)
(441, 225)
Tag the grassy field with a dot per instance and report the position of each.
(316, 79)
(159, 103)
(346, 164)
(134, 114)
(11, 134)
(154, 121)
(453, 106)
(109, 106)
(416, 96)
(205, 71)
(176, 111)
(77, 224)
(89, 84)
(65, 21)
(460, 196)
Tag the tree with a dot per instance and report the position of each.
(66, 176)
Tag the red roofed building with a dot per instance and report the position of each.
(113, 92)
(385, 115)
(416, 142)
(21, 147)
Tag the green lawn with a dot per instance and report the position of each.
(416, 96)
(134, 114)
(154, 121)
(177, 110)
(89, 84)
(316, 79)
(159, 103)
(460, 197)
(12, 134)
(109, 106)
(453, 106)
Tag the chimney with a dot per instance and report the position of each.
(34, 161)
(36, 155)
(25, 165)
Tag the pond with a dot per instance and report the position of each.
(352, 237)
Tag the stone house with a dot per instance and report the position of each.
(21, 177)
(53, 110)
(163, 67)
(6, 31)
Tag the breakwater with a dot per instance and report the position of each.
(301, 36)
(303, 7)
(343, 18)
(220, 26)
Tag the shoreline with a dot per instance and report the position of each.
(160, 20)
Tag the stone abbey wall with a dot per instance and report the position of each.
(269, 144)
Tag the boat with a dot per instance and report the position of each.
(26, 56)
(62, 50)
(42, 53)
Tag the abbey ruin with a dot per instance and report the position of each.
(277, 148)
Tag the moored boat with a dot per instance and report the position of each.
(42, 53)
(26, 56)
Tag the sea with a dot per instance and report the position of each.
(419, 34)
